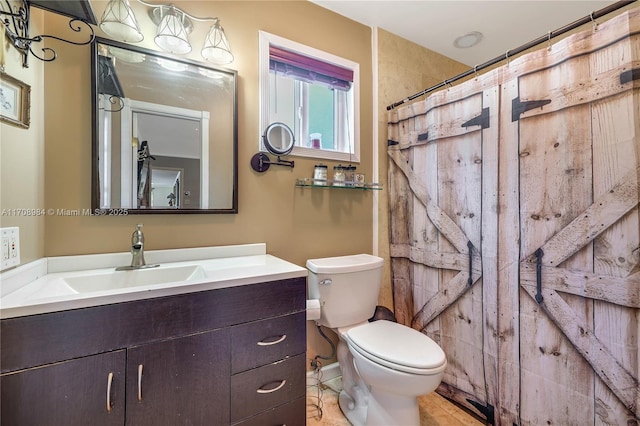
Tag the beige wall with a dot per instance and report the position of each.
(404, 68)
(22, 165)
(296, 224)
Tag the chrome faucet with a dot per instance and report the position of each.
(137, 247)
(137, 252)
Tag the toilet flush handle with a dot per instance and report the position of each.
(326, 281)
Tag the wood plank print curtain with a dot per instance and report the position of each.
(515, 231)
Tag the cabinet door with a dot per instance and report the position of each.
(84, 391)
(183, 381)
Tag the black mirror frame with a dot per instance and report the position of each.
(95, 187)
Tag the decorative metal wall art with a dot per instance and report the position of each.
(15, 17)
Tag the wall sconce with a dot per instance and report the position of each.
(16, 24)
(173, 27)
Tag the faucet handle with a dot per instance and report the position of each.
(137, 237)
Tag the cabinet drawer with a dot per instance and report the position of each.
(259, 389)
(291, 414)
(266, 341)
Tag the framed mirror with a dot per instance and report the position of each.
(165, 136)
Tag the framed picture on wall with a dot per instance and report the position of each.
(15, 101)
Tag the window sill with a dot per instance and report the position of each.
(324, 154)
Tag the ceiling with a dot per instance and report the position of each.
(435, 24)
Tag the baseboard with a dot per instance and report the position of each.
(329, 372)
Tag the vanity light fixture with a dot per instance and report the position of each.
(216, 46)
(172, 33)
(119, 22)
(173, 26)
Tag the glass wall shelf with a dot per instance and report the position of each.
(315, 183)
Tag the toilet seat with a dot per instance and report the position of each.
(398, 347)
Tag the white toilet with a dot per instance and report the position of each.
(385, 365)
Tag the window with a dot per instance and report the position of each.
(315, 93)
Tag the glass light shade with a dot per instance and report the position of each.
(216, 47)
(172, 35)
(119, 22)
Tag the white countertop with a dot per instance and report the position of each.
(40, 287)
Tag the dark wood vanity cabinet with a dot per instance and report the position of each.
(179, 381)
(72, 392)
(233, 355)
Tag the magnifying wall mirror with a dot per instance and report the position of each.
(278, 139)
(164, 132)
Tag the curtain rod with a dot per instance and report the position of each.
(552, 34)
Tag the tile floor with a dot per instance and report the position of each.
(434, 409)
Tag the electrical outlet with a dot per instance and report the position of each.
(10, 255)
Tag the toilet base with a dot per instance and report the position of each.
(356, 415)
(384, 409)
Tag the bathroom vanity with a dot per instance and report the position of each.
(225, 348)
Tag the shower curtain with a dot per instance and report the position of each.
(515, 230)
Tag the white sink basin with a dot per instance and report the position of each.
(73, 282)
(112, 280)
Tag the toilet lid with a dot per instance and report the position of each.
(397, 344)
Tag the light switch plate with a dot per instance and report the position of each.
(10, 248)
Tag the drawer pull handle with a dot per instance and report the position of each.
(275, 342)
(140, 382)
(282, 383)
(109, 381)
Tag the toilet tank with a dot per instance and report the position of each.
(347, 287)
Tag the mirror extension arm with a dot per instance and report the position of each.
(260, 162)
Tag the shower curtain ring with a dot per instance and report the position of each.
(549, 41)
(506, 56)
(595, 24)
(475, 70)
